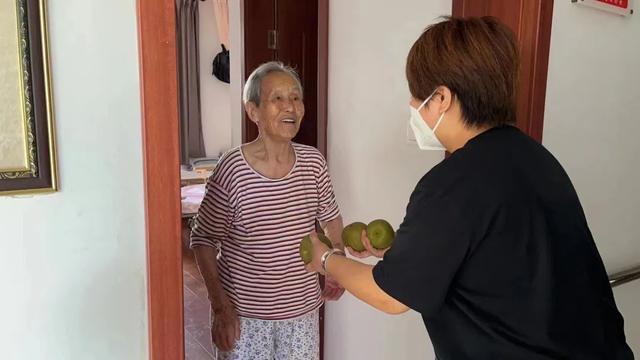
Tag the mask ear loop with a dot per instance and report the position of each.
(441, 115)
(427, 99)
(439, 121)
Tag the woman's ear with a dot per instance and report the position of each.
(252, 111)
(444, 96)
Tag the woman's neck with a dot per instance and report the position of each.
(272, 151)
(465, 134)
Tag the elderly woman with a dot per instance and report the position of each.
(494, 250)
(261, 200)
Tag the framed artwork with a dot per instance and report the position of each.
(27, 137)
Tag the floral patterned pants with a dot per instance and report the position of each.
(295, 339)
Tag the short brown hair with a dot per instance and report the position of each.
(477, 59)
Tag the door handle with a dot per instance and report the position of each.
(272, 39)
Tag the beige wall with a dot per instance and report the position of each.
(591, 125)
(73, 263)
(374, 168)
(214, 94)
(236, 49)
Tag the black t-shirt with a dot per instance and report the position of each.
(496, 255)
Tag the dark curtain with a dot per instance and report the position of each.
(191, 139)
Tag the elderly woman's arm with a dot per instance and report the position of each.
(226, 326)
(333, 230)
(208, 266)
(207, 236)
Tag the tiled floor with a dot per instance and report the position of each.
(197, 336)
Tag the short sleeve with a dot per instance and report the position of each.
(429, 248)
(327, 205)
(211, 224)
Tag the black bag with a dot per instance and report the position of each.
(221, 65)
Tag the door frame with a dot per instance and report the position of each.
(161, 158)
(322, 80)
(534, 39)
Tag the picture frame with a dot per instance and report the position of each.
(28, 162)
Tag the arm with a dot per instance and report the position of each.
(419, 270)
(330, 219)
(333, 230)
(208, 266)
(210, 229)
(225, 330)
(355, 277)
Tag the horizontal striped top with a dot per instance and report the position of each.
(258, 223)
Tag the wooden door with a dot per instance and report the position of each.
(259, 19)
(295, 25)
(531, 22)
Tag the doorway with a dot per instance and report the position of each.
(160, 130)
(530, 20)
(286, 31)
(159, 92)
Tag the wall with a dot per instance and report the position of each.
(368, 115)
(73, 263)
(214, 94)
(236, 38)
(591, 125)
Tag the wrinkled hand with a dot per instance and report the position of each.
(369, 250)
(319, 248)
(332, 290)
(225, 330)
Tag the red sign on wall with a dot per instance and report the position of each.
(621, 7)
(619, 3)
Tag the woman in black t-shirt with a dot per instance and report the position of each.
(494, 251)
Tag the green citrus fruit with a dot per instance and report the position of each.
(380, 233)
(352, 236)
(306, 248)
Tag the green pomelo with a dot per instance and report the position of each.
(381, 234)
(352, 236)
(306, 248)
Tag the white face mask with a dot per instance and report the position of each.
(425, 137)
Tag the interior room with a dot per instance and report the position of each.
(135, 102)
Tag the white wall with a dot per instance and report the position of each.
(215, 95)
(73, 263)
(591, 125)
(236, 46)
(368, 115)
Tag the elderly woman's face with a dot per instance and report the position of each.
(281, 108)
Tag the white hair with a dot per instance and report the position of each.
(253, 85)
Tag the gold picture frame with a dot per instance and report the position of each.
(28, 163)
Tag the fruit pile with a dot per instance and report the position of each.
(379, 232)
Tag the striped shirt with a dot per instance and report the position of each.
(258, 223)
